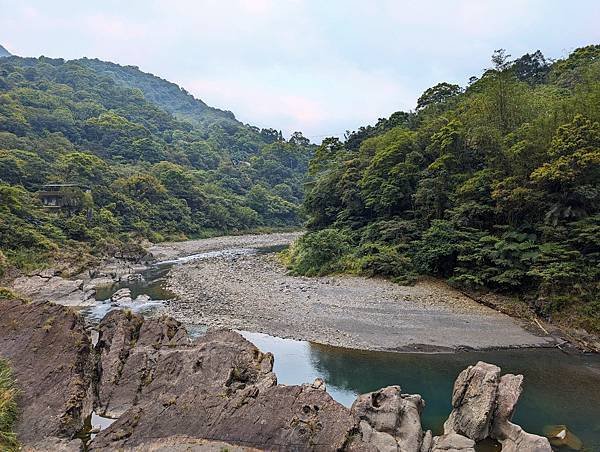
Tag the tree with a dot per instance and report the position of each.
(82, 168)
(438, 95)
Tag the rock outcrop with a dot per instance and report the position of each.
(219, 392)
(390, 420)
(49, 352)
(130, 354)
(219, 387)
(48, 286)
(483, 404)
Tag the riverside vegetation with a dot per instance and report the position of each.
(159, 164)
(493, 186)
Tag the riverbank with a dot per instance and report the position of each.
(163, 390)
(254, 293)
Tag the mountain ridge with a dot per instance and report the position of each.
(4, 52)
(158, 90)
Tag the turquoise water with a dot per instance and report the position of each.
(558, 388)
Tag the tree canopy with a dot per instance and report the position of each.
(495, 186)
(158, 162)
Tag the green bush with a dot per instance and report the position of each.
(385, 260)
(318, 253)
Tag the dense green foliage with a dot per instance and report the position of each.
(157, 162)
(8, 408)
(495, 186)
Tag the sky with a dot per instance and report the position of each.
(321, 67)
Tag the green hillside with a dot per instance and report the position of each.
(158, 163)
(495, 186)
(164, 94)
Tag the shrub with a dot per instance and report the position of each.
(318, 253)
(384, 260)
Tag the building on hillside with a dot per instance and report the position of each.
(57, 196)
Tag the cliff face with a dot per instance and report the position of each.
(52, 360)
(219, 391)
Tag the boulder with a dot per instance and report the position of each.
(511, 436)
(395, 414)
(142, 298)
(121, 296)
(561, 436)
(50, 355)
(483, 404)
(474, 401)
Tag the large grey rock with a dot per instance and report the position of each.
(49, 352)
(474, 401)
(45, 287)
(219, 387)
(511, 436)
(392, 413)
(483, 404)
(121, 296)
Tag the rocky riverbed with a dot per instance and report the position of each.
(232, 282)
(170, 393)
(253, 292)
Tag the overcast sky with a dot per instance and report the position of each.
(321, 66)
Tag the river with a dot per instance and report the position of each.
(559, 388)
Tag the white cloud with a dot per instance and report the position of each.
(321, 67)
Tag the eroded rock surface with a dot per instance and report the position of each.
(49, 352)
(130, 351)
(219, 387)
(390, 420)
(483, 404)
(219, 392)
(452, 442)
(46, 286)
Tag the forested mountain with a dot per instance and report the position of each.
(494, 186)
(4, 52)
(163, 93)
(157, 162)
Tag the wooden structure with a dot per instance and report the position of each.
(57, 196)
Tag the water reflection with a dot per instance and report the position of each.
(559, 388)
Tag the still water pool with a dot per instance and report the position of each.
(558, 389)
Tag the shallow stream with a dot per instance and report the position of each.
(559, 388)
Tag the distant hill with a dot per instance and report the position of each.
(167, 95)
(4, 52)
